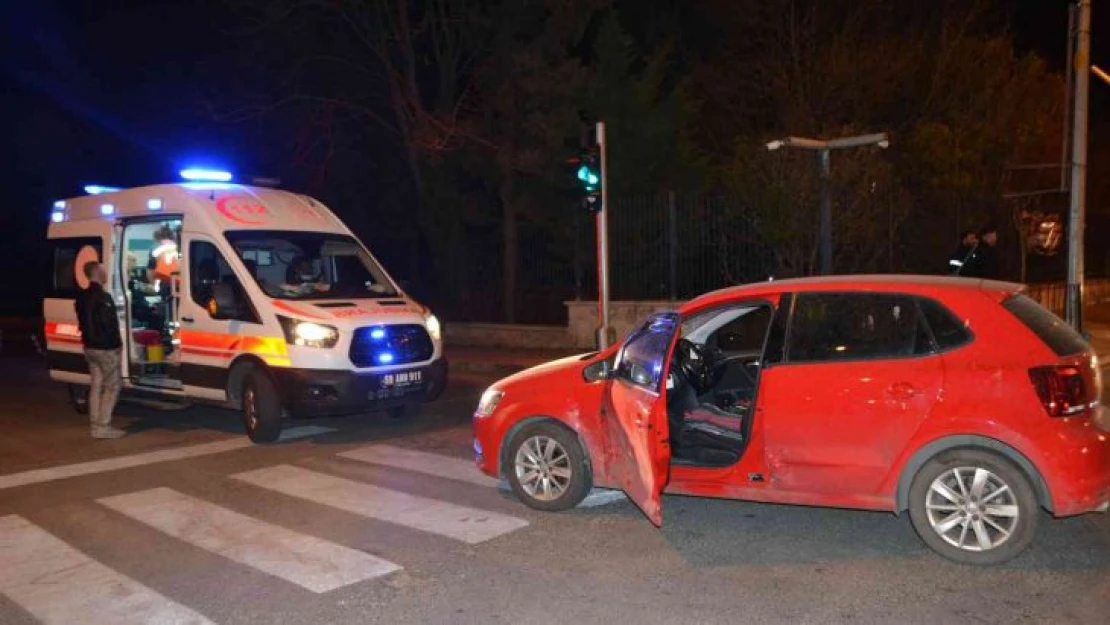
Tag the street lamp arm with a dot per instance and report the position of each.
(802, 142)
(881, 139)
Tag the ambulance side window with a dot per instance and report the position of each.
(67, 264)
(207, 268)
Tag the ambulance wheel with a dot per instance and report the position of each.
(408, 411)
(79, 398)
(261, 408)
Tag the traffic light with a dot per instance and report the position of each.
(589, 176)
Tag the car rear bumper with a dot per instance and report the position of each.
(319, 392)
(1086, 486)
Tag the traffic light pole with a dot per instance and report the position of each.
(603, 244)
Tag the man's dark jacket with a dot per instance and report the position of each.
(96, 316)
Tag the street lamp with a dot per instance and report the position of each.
(823, 148)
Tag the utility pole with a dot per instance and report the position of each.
(825, 233)
(1077, 215)
(603, 244)
(823, 148)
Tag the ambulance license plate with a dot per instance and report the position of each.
(402, 380)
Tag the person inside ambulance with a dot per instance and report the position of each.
(303, 278)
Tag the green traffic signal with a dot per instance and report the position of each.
(588, 177)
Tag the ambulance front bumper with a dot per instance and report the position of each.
(325, 392)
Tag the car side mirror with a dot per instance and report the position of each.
(597, 372)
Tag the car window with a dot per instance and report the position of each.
(1058, 335)
(855, 326)
(643, 356)
(948, 331)
(744, 334)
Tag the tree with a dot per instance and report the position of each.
(961, 104)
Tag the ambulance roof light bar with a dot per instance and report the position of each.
(97, 189)
(196, 174)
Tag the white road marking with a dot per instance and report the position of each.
(66, 471)
(439, 465)
(469, 525)
(58, 584)
(309, 562)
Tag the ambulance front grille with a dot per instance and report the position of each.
(378, 346)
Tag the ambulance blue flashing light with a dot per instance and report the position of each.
(205, 175)
(60, 205)
(58, 217)
(154, 204)
(97, 189)
(107, 209)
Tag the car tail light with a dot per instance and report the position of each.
(1064, 390)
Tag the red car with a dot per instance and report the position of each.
(963, 402)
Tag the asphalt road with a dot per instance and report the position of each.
(182, 522)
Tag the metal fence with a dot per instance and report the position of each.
(667, 246)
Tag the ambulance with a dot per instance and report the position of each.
(252, 298)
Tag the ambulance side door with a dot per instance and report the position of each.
(211, 335)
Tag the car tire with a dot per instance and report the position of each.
(79, 398)
(261, 408)
(974, 507)
(558, 482)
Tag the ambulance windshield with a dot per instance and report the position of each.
(310, 265)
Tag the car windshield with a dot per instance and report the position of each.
(310, 265)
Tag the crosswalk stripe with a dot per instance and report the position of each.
(469, 525)
(58, 584)
(439, 465)
(66, 471)
(309, 562)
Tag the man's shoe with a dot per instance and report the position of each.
(108, 432)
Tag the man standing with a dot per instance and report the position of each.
(96, 315)
(963, 254)
(985, 262)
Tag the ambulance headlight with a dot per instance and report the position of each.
(308, 333)
(434, 329)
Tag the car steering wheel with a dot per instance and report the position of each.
(692, 359)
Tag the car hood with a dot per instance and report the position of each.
(542, 373)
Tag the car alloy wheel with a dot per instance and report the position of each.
(972, 509)
(974, 506)
(547, 467)
(543, 468)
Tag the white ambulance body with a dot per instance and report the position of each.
(254, 298)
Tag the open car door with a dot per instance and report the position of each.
(638, 454)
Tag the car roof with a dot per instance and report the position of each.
(915, 284)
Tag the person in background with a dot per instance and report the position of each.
(96, 316)
(964, 253)
(984, 264)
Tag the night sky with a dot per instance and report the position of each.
(108, 92)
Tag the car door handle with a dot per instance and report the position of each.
(186, 320)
